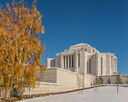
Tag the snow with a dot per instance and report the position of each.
(101, 94)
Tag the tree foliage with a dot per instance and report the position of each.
(95, 81)
(118, 79)
(100, 80)
(109, 81)
(20, 46)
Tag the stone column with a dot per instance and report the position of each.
(76, 61)
(48, 63)
(85, 61)
(61, 61)
(113, 64)
(116, 65)
(69, 61)
(110, 64)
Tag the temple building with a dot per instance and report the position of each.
(85, 59)
(76, 68)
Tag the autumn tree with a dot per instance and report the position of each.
(20, 46)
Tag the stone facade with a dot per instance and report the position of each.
(67, 78)
(84, 59)
(60, 80)
(75, 68)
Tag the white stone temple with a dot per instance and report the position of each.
(85, 59)
(76, 68)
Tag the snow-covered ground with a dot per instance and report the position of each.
(101, 94)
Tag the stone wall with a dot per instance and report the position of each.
(49, 76)
(124, 79)
(69, 80)
(59, 80)
(44, 87)
(64, 77)
(88, 80)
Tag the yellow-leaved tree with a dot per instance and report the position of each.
(20, 46)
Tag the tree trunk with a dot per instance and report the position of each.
(15, 92)
(5, 93)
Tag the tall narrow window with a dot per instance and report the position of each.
(90, 66)
(87, 66)
(64, 61)
(78, 60)
(72, 62)
(69, 61)
(101, 65)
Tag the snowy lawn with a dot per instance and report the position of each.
(101, 94)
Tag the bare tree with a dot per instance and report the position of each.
(118, 82)
(95, 84)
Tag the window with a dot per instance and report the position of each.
(90, 66)
(78, 60)
(87, 66)
(69, 61)
(72, 62)
(85, 49)
(64, 60)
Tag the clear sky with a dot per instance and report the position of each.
(101, 23)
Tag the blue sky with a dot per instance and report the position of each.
(101, 23)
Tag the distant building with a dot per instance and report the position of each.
(84, 59)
